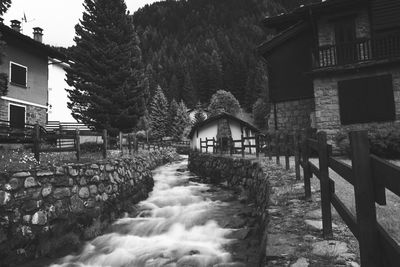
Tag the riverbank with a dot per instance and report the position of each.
(50, 212)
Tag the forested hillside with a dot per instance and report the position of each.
(193, 48)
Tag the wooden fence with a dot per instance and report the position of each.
(59, 140)
(370, 176)
(272, 144)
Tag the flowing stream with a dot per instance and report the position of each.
(174, 228)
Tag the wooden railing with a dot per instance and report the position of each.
(271, 144)
(358, 51)
(370, 176)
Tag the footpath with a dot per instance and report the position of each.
(295, 226)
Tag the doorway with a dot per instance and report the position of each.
(17, 116)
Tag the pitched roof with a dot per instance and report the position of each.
(304, 10)
(46, 49)
(223, 115)
(282, 37)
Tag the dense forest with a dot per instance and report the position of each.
(193, 48)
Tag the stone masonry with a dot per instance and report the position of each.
(244, 174)
(48, 211)
(296, 114)
(33, 114)
(327, 102)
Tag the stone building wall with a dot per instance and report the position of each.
(33, 114)
(296, 114)
(244, 174)
(49, 211)
(327, 103)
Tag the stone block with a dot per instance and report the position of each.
(30, 182)
(60, 193)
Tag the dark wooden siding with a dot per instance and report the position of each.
(385, 15)
(288, 64)
(365, 100)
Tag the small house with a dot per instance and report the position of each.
(223, 126)
(335, 66)
(25, 62)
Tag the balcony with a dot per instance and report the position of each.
(358, 51)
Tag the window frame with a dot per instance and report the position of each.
(26, 75)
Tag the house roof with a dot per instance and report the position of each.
(223, 115)
(46, 49)
(282, 37)
(304, 10)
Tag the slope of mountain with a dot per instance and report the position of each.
(192, 48)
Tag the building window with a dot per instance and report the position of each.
(18, 74)
(366, 100)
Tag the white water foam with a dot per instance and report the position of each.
(171, 230)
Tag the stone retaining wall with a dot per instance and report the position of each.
(244, 174)
(50, 211)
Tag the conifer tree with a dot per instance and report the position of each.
(199, 115)
(188, 91)
(172, 114)
(105, 73)
(182, 121)
(158, 115)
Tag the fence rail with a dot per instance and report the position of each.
(271, 144)
(370, 176)
(59, 140)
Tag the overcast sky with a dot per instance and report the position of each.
(56, 17)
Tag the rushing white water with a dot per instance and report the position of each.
(172, 229)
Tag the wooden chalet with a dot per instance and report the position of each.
(335, 66)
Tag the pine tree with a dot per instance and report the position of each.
(105, 72)
(188, 91)
(172, 117)
(181, 122)
(199, 115)
(158, 115)
(260, 113)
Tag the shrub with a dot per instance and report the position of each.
(91, 147)
(383, 143)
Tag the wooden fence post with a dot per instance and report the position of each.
(270, 146)
(201, 146)
(104, 144)
(325, 186)
(77, 144)
(36, 142)
(365, 200)
(296, 148)
(306, 168)
(121, 148)
(257, 145)
(277, 141)
(130, 143)
(242, 143)
(286, 147)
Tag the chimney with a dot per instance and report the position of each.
(37, 34)
(16, 25)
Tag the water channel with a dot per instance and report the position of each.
(182, 223)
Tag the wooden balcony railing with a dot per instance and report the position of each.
(358, 51)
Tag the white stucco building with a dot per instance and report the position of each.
(58, 96)
(209, 129)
